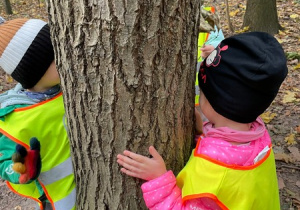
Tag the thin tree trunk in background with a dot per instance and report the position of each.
(7, 6)
(261, 15)
(128, 71)
(230, 26)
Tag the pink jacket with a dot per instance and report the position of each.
(162, 193)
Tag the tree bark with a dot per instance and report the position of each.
(261, 15)
(128, 73)
(7, 6)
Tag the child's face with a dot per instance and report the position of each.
(49, 79)
(52, 74)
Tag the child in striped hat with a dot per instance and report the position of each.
(34, 147)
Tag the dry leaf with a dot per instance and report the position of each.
(297, 66)
(294, 16)
(279, 40)
(242, 6)
(268, 116)
(296, 89)
(282, 33)
(295, 153)
(290, 140)
(281, 184)
(289, 97)
(282, 156)
(9, 79)
(234, 13)
(246, 28)
(295, 61)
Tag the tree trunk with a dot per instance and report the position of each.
(7, 6)
(261, 15)
(128, 73)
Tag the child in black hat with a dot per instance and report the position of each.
(233, 165)
(34, 147)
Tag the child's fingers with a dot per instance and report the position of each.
(127, 166)
(130, 173)
(154, 153)
(128, 162)
(134, 156)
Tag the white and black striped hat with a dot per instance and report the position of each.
(26, 51)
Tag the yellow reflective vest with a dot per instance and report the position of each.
(202, 38)
(45, 121)
(231, 187)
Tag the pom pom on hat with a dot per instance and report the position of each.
(26, 51)
(242, 76)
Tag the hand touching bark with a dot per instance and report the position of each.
(142, 167)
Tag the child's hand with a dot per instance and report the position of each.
(142, 167)
(27, 162)
(198, 123)
(206, 50)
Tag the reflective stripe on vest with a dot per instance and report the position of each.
(231, 187)
(45, 122)
(67, 203)
(58, 172)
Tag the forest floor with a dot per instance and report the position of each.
(282, 118)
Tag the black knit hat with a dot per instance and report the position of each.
(26, 51)
(242, 76)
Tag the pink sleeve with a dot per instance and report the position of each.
(163, 193)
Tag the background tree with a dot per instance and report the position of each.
(7, 7)
(261, 15)
(128, 70)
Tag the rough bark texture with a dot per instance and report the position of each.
(128, 70)
(261, 15)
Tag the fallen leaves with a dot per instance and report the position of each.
(293, 58)
(290, 139)
(294, 153)
(281, 184)
(294, 196)
(234, 13)
(292, 157)
(297, 66)
(28, 9)
(283, 157)
(9, 79)
(292, 55)
(294, 16)
(290, 97)
(245, 29)
(268, 116)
